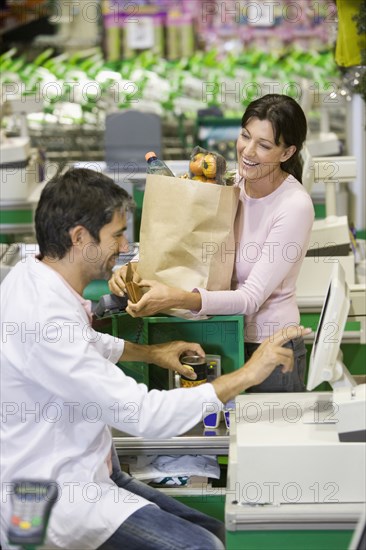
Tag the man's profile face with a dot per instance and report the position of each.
(100, 258)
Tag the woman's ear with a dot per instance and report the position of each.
(288, 153)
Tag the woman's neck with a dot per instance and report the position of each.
(257, 189)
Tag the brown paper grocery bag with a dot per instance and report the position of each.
(187, 233)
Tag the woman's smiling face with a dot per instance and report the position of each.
(259, 157)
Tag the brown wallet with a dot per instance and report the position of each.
(133, 291)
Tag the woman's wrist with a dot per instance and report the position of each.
(188, 300)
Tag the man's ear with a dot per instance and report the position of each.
(288, 153)
(78, 235)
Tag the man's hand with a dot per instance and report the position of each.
(271, 354)
(164, 355)
(116, 283)
(168, 356)
(264, 360)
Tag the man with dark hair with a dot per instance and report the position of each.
(79, 197)
(62, 390)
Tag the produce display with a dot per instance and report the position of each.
(76, 91)
(151, 83)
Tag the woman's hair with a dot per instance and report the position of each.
(288, 121)
(78, 197)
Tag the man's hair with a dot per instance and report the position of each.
(78, 197)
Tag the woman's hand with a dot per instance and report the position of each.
(159, 297)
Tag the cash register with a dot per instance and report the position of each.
(290, 452)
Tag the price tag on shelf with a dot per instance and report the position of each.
(140, 34)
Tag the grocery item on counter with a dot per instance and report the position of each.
(199, 366)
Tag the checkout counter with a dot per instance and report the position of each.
(296, 462)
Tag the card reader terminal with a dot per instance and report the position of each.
(32, 501)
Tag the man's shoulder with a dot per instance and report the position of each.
(30, 284)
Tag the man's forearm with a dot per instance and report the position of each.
(136, 352)
(230, 385)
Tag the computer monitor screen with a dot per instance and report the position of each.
(326, 358)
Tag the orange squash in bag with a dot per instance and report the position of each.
(196, 164)
(209, 166)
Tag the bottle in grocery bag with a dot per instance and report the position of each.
(156, 165)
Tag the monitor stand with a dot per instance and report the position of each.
(339, 376)
(349, 400)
